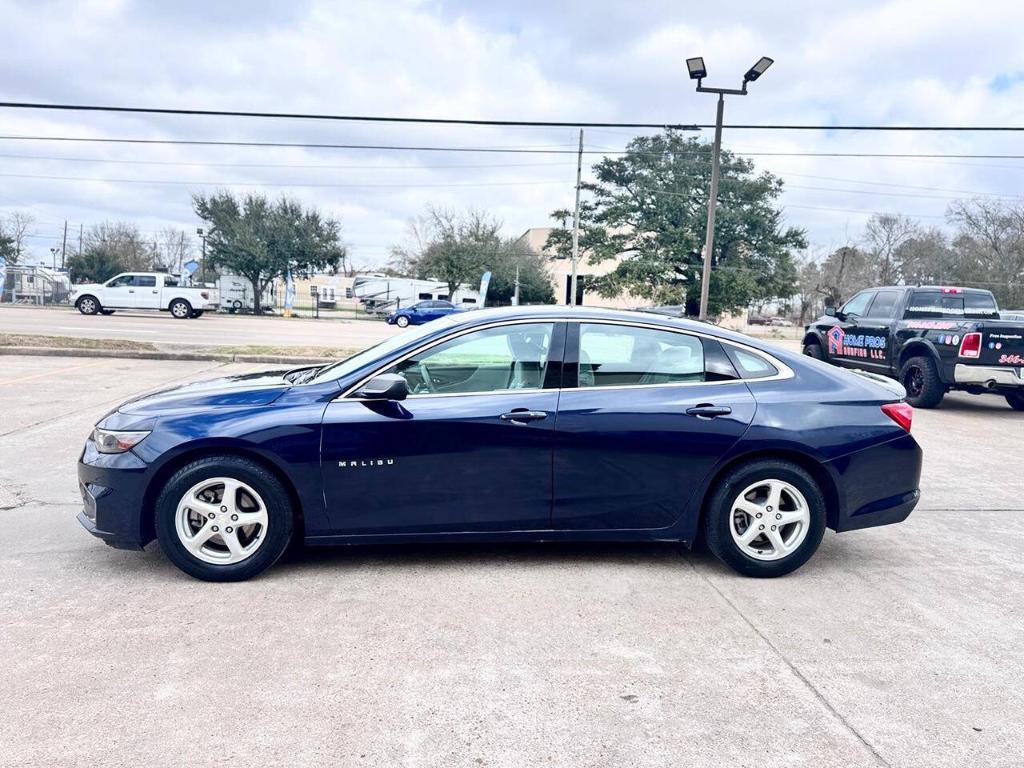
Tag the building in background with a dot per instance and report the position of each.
(560, 274)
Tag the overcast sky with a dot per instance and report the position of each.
(912, 62)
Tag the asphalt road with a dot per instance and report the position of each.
(209, 330)
(897, 646)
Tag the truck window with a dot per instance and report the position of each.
(170, 281)
(924, 304)
(145, 281)
(121, 281)
(884, 304)
(858, 304)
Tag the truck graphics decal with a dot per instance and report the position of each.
(855, 344)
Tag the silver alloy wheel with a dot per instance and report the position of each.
(769, 519)
(402, 321)
(221, 521)
(87, 306)
(180, 309)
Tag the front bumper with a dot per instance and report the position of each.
(988, 375)
(113, 489)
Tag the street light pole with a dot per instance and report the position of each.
(202, 264)
(576, 224)
(698, 72)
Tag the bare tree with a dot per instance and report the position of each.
(174, 247)
(124, 242)
(19, 226)
(883, 236)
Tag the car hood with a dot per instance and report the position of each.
(229, 391)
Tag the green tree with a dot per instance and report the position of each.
(459, 248)
(262, 240)
(650, 205)
(7, 249)
(96, 264)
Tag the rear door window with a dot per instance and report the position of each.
(623, 355)
(145, 281)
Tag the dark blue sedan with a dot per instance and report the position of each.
(541, 423)
(422, 312)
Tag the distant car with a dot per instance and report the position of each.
(517, 424)
(142, 290)
(421, 313)
(757, 320)
(780, 322)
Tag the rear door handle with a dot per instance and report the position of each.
(523, 415)
(708, 411)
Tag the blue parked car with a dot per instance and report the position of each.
(538, 423)
(423, 312)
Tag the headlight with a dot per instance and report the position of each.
(112, 441)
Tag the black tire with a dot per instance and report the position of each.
(814, 350)
(88, 305)
(718, 517)
(197, 313)
(180, 309)
(1015, 401)
(280, 517)
(920, 377)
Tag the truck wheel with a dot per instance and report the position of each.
(88, 305)
(1015, 401)
(920, 378)
(181, 309)
(814, 350)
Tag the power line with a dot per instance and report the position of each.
(509, 123)
(271, 184)
(338, 118)
(498, 150)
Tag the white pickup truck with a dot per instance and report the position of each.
(142, 290)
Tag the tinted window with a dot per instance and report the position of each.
(494, 359)
(884, 304)
(621, 355)
(749, 364)
(170, 281)
(939, 304)
(858, 304)
(423, 296)
(145, 281)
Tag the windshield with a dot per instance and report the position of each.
(383, 349)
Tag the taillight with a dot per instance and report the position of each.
(901, 413)
(971, 345)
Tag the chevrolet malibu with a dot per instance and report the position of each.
(540, 423)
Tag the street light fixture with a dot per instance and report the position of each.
(202, 266)
(698, 72)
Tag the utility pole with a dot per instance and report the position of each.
(576, 224)
(698, 72)
(515, 296)
(64, 244)
(80, 228)
(709, 239)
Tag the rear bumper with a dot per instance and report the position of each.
(878, 485)
(988, 375)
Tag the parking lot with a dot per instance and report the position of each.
(896, 646)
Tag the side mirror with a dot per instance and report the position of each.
(830, 311)
(387, 386)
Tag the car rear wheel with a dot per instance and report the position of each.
(814, 350)
(181, 309)
(223, 518)
(766, 518)
(402, 321)
(1015, 401)
(88, 305)
(920, 377)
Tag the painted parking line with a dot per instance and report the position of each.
(44, 374)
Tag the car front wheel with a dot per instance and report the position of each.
(223, 518)
(765, 518)
(88, 305)
(402, 321)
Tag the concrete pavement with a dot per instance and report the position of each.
(896, 646)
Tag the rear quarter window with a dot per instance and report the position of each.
(750, 365)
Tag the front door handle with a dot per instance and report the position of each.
(523, 415)
(708, 411)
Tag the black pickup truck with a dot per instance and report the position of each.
(932, 339)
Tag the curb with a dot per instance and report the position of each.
(136, 354)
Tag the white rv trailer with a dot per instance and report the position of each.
(380, 294)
